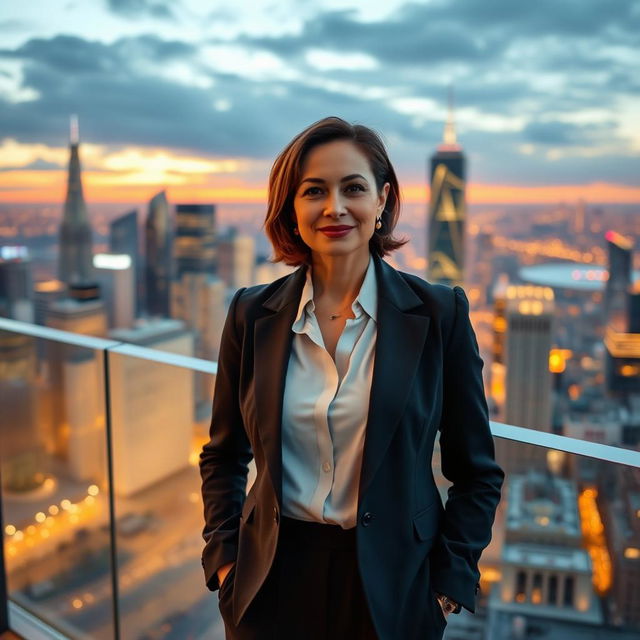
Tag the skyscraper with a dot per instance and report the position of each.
(75, 252)
(235, 258)
(150, 402)
(529, 324)
(123, 239)
(75, 379)
(447, 209)
(195, 239)
(197, 294)
(159, 256)
(622, 339)
(114, 273)
(617, 287)
(16, 284)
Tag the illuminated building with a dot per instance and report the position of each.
(622, 361)
(447, 210)
(498, 365)
(75, 378)
(45, 293)
(621, 515)
(150, 403)
(114, 272)
(547, 574)
(198, 299)
(82, 311)
(622, 333)
(528, 385)
(123, 239)
(159, 267)
(75, 241)
(20, 429)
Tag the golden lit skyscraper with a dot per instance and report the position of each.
(447, 210)
(528, 331)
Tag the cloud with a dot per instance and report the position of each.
(120, 104)
(401, 39)
(36, 165)
(142, 8)
(520, 72)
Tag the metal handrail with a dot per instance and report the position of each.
(604, 452)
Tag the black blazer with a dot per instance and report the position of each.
(427, 377)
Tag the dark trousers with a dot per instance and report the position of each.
(313, 591)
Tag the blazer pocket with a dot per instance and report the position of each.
(425, 522)
(227, 582)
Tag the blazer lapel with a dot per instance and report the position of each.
(272, 346)
(399, 346)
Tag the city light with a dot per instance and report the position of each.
(594, 540)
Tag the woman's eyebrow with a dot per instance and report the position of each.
(345, 179)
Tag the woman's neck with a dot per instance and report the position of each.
(338, 278)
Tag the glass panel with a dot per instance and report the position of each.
(55, 490)
(157, 432)
(564, 559)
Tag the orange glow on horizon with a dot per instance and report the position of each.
(31, 186)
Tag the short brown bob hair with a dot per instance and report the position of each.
(286, 174)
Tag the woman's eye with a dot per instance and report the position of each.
(356, 187)
(311, 191)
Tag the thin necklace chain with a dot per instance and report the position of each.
(333, 316)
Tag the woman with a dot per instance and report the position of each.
(336, 379)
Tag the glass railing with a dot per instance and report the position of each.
(102, 515)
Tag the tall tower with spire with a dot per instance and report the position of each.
(75, 245)
(447, 208)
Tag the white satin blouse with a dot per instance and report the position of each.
(325, 410)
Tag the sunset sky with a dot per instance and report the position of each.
(199, 97)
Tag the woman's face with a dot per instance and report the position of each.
(336, 203)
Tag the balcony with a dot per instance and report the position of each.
(101, 512)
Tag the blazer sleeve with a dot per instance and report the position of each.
(468, 462)
(224, 458)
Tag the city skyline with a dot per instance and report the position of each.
(198, 98)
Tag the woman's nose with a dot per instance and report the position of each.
(335, 204)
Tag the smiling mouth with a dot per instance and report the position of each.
(338, 231)
(337, 227)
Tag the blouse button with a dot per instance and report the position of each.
(326, 466)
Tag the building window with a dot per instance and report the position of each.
(552, 592)
(568, 592)
(536, 591)
(521, 586)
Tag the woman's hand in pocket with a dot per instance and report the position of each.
(223, 572)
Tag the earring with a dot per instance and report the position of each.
(379, 222)
(295, 231)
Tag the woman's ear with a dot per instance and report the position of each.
(382, 197)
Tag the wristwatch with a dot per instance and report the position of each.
(448, 605)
